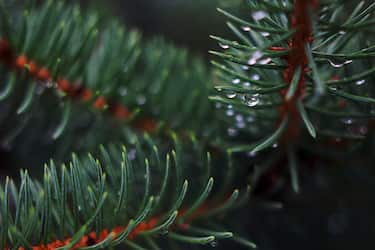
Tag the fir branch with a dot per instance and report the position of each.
(91, 205)
(99, 65)
(305, 82)
(310, 69)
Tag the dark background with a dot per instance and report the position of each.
(188, 23)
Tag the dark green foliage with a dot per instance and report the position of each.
(121, 188)
(153, 80)
(251, 74)
(125, 187)
(326, 106)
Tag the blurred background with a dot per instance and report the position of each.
(187, 23)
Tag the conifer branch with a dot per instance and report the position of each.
(91, 204)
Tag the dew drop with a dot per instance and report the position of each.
(231, 95)
(132, 154)
(232, 132)
(255, 77)
(265, 61)
(360, 82)
(236, 81)
(246, 28)
(339, 64)
(239, 118)
(224, 46)
(230, 112)
(214, 243)
(246, 84)
(251, 100)
(251, 154)
(240, 125)
(342, 32)
(255, 57)
(244, 67)
(259, 15)
(348, 121)
(265, 34)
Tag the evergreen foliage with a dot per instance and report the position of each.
(104, 84)
(99, 65)
(297, 68)
(296, 79)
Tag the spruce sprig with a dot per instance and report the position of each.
(68, 60)
(299, 59)
(118, 198)
(298, 67)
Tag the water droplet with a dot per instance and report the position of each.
(259, 15)
(230, 106)
(236, 81)
(123, 91)
(230, 112)
(255, 57)
(275, 145)
(231, 95)
(251, 154)
(246, 84)
(251, 100)
(240, 124)
(246, 28)
(141, 100)
(239, 118)
(224, 46)
(265, 61)
(132, 154)
(219, 89)
(335, 87)
(232, 132)
(214, 243)
(244, 67)
(339, 64)
(79, 208)
(342, 32)
(360, 82)
(348, 121)
(265, 34)
(255, 77)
